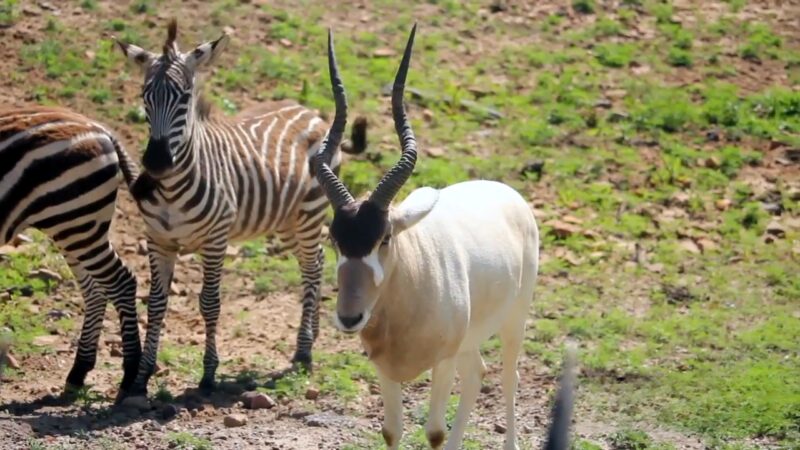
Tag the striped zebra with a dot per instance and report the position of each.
(59, 174)
(210, 180)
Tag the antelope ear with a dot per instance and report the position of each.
(205, 54)
(413, 209)
(135, 54)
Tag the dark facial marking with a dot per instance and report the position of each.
(358, 227)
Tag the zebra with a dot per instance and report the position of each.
(59, 174)
(211, 180)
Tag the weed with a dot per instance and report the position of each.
(615, 55)
(187, 441)
(679, 58)
(583, 6)
(9, 12)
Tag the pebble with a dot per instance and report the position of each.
(499, 428)
(257, 400)
(235, 420)
(312, 394)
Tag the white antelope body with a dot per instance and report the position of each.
(426, 282)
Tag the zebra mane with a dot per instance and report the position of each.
(170, 46)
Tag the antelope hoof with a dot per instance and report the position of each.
(435, 438)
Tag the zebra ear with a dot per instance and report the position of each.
(206, 53)
(135, 54)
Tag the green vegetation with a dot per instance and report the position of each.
(187, 441)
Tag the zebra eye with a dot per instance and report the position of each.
(386, 240)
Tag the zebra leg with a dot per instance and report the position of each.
(213, 258)
(162, 265)
(94, 311)
(102, 274)
(122, 292)
(308, 252)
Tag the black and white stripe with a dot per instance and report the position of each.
(210, 180)
(59, 174)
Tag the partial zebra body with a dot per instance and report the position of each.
(254, 181)
(58, 173)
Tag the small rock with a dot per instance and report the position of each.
(722, 204)
(374, 389)
(285, 42)
(689, 245)
(139, 402)
(776, 229)
(12, 362)
(499, 428)
(44, 341)
(328, 419)
(712, 162)
(433, 152)
(257, 400)
(46, 275)
(115, 352)
(21, 239)
(427, 114)
(384, 52)
(498, 6)
(535, 167)
(235, 420)
(312, 394)
(561, 229)
(299, 414)
(706, 244)
(486, 388)
(142, 249)
(680, 198)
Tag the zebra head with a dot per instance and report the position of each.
(169, 95)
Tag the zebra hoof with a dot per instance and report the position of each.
(301, 362)
(207, 386)
(70, 393)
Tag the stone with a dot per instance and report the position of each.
(257, 400)
(46, 275)
(776, 229)
(561, 229)
(328, 419)
(312, 394)
(235, 420)
(499, 428)
(384, 52)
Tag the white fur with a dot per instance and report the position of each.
(461, 267)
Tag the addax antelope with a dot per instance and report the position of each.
(427, 281)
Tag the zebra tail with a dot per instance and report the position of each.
(558, 435)
(358, 137)
(129, 168)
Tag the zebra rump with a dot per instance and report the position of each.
(59, 174)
